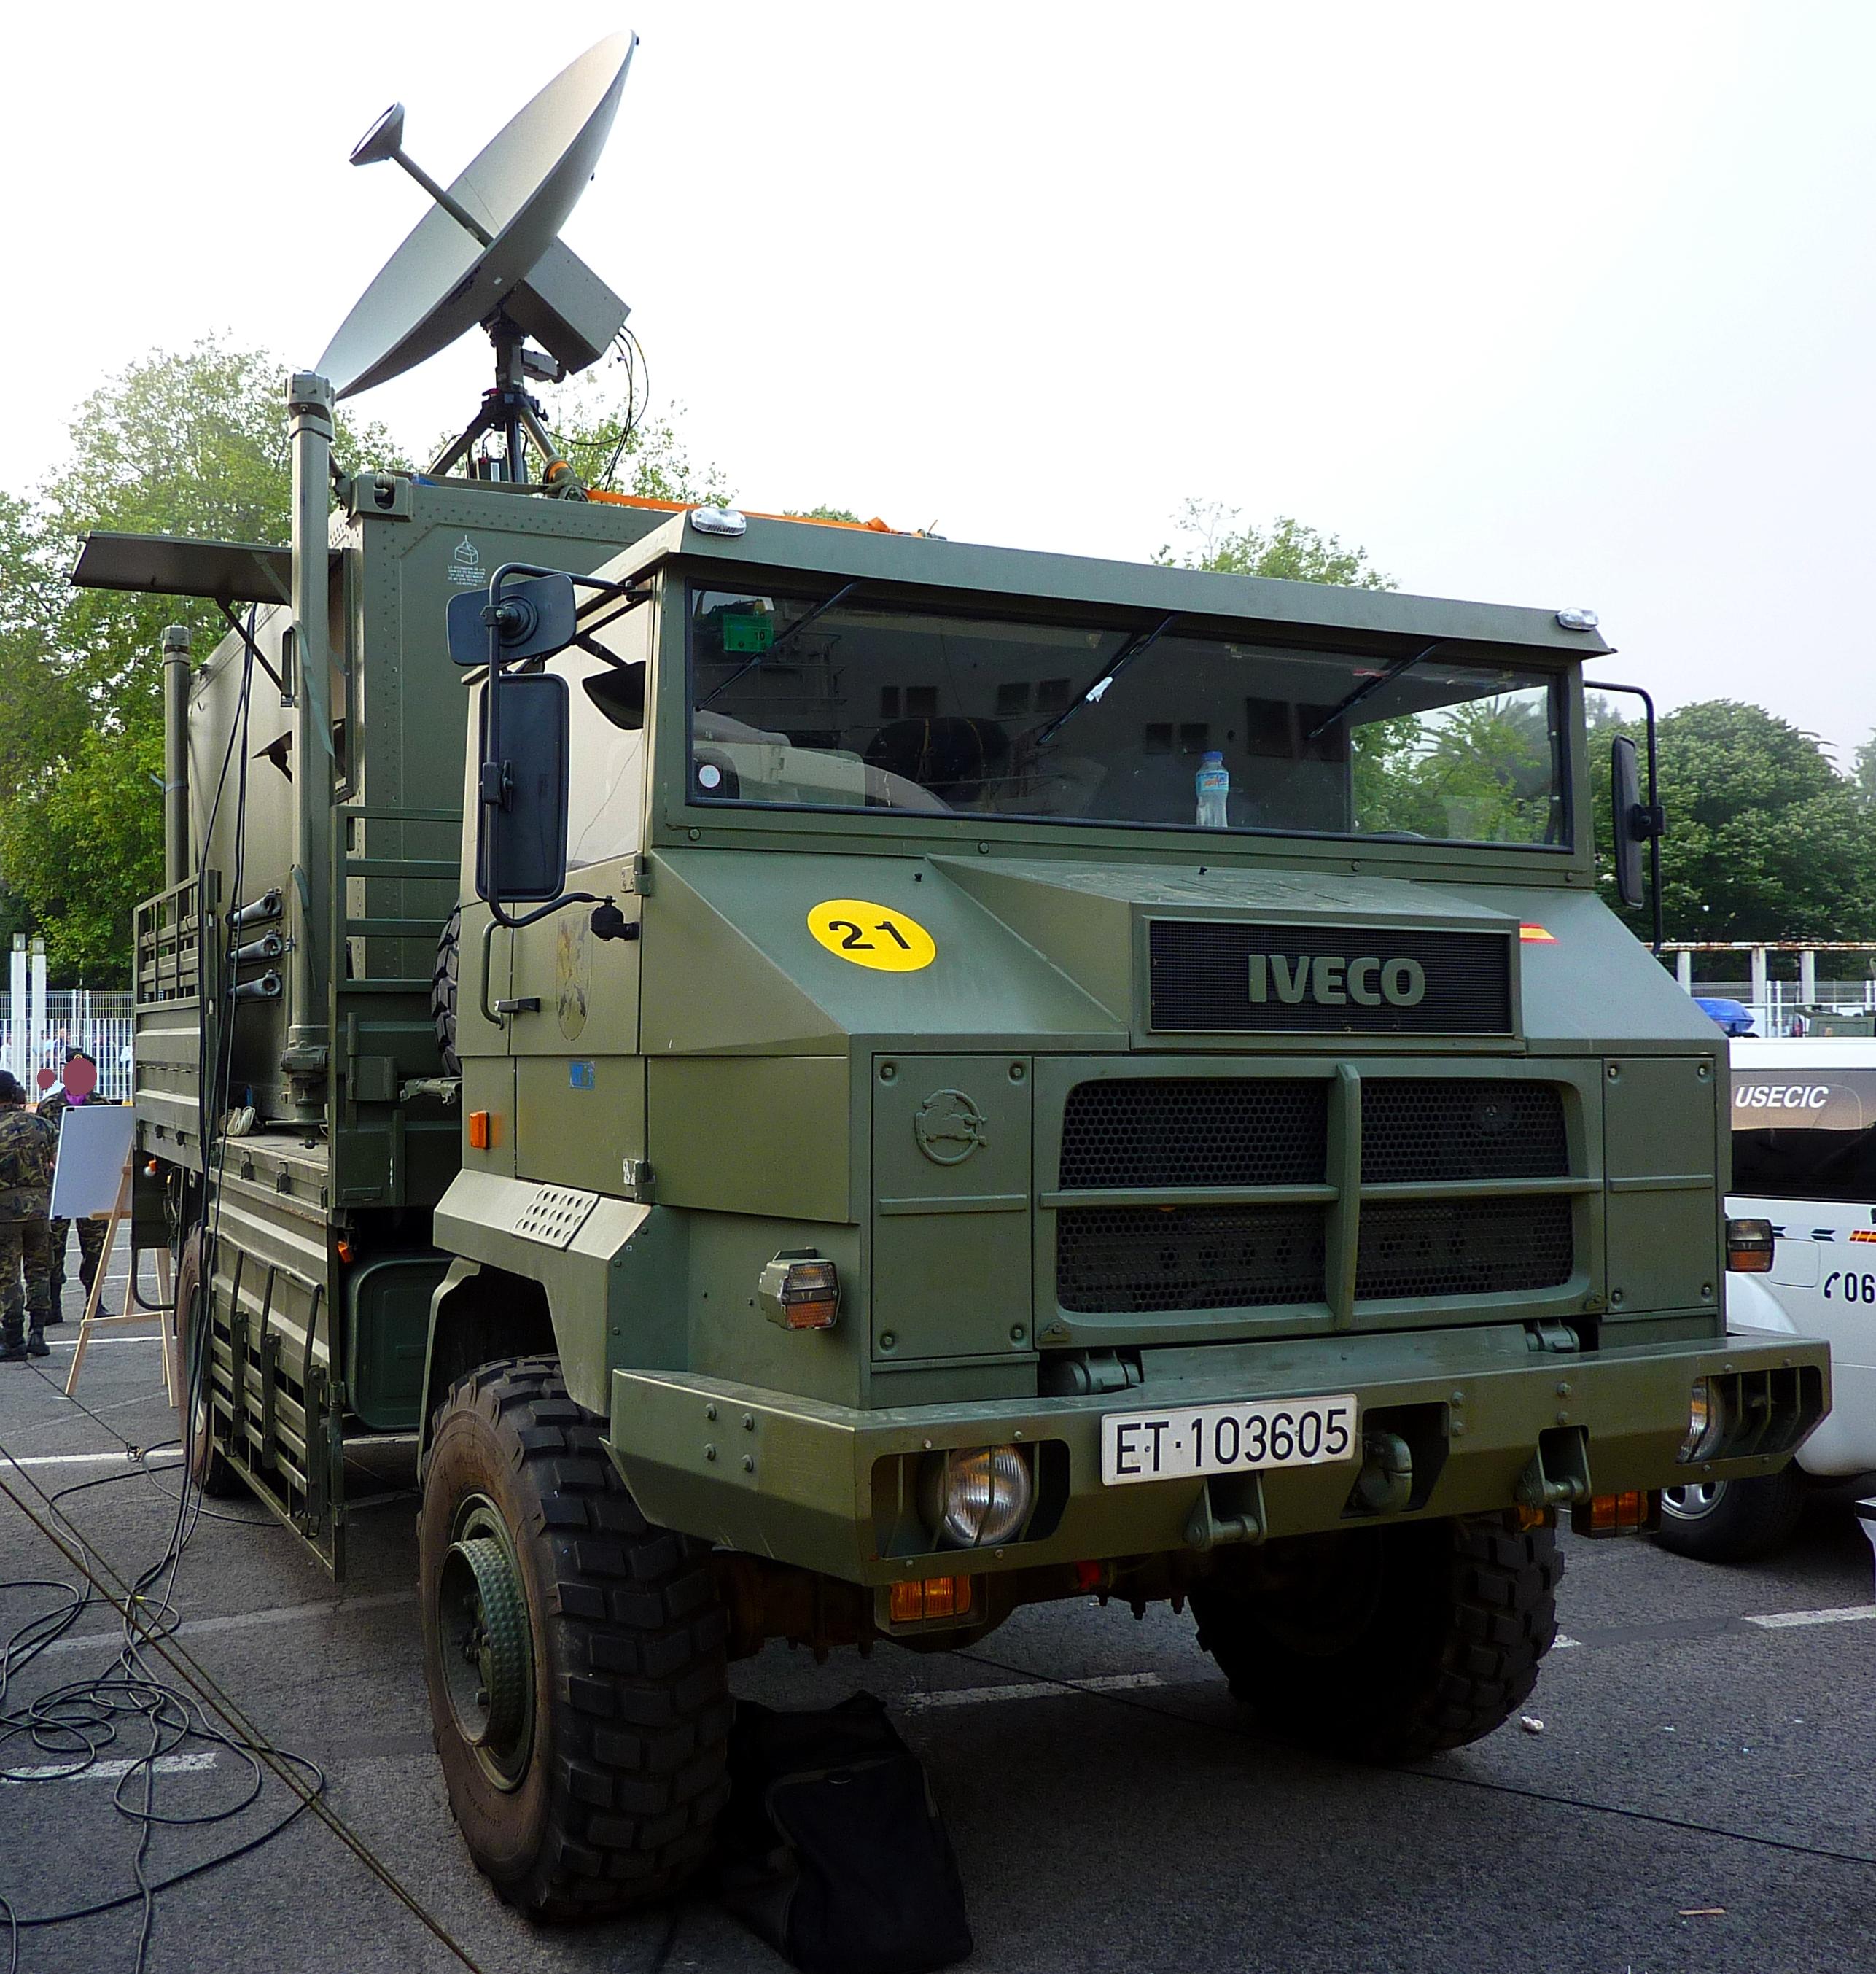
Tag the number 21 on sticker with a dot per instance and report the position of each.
(872, 935)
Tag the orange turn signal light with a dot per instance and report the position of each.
(935, 1597)
(1749, 1247)
(481, 1131)
(1631, 1513)
(1536, 935)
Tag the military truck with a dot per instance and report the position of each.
(737, 1037)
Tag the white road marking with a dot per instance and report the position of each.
(1780, 1620)
(99, 1343)
(1042, 1689)
(245, 1621)
(165, 1459)
(108, 1771)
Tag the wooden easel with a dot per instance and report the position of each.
(91, 1320)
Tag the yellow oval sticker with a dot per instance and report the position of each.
(872, 935)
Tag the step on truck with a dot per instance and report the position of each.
(842, 1082)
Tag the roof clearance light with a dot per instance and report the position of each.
(1535, 935)
(718, 521)
(1578, 620)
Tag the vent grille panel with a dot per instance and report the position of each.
(1427, 1248)
(1176, 1131)
(1417, 1129)
(1138, 1259)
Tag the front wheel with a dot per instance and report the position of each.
(1732, 1521)
(1387, 1644)
(574, 1654)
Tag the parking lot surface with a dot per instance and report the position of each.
(1701, 1793)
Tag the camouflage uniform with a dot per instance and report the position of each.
(27, 1144)
(91, 1232)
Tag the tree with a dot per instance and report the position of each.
(191, 443)
(1766, 840)
(602, 428)
(1287, 548)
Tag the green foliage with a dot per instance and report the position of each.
(1211, 539)
(822, 514)
(1766, 840)
(612, 450)
(192, 443)
(1478, 772)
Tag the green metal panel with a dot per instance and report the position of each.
(387, 1330)
(765, 1135)
(951, 1210)
(1661, 1124)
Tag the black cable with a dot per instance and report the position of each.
(1686, 1824)
(210, 1694)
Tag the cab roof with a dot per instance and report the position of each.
(780, 548)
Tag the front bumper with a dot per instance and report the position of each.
(823, 1487)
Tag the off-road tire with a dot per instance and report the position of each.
(624, 1777)
(1741, 1521)
(1412, 1640)
(443, 979)
(210, 1469)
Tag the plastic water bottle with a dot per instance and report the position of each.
(1214, 784)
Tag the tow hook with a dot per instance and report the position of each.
(1385, 1485)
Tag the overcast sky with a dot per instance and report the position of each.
(1556, 306)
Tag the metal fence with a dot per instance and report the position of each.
(37, 1029)
(1776, 1008)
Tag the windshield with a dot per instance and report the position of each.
(1804, 1132)
(868, 706)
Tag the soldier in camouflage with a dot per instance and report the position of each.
(27, 1144)
(91, 1232)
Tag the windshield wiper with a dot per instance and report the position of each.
(1097, 688)
(800, 623)
(1368, 687)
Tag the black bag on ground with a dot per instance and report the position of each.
(832, 1848)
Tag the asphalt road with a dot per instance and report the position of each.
(1702, 1795)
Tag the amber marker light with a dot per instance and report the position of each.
(935, 1597)
(1749, 1247)
(1536, 935)
(801, 1292)
(1626, 1514)
(481, 1131)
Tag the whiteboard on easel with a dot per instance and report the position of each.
(94, 1143)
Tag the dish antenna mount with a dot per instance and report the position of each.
(489, 255)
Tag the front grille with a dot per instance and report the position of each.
(1420, 1129)
(1426, 1248)
(1220, 975)
(1130, 1133)
(1135, 1259)
(1179, 1131)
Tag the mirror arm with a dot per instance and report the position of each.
(1656, 819)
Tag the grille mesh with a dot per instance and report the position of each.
(1416, 1128)
(1128, 1131)
(1462, 1246)
(1134, 1259)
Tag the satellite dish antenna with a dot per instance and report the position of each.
(489, 255)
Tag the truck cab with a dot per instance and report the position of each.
(959, 1077)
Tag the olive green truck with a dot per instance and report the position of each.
(842, 1083)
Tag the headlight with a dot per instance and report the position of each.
(975, 1499)
(1707, 1423)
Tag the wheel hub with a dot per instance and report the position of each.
(488, 1666)
(1694, 1502)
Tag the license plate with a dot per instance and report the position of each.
(1228, 1439)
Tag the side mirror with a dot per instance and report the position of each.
(521, 831)
(534, 619)
(1626, 813)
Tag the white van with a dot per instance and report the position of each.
(1804, 1158)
